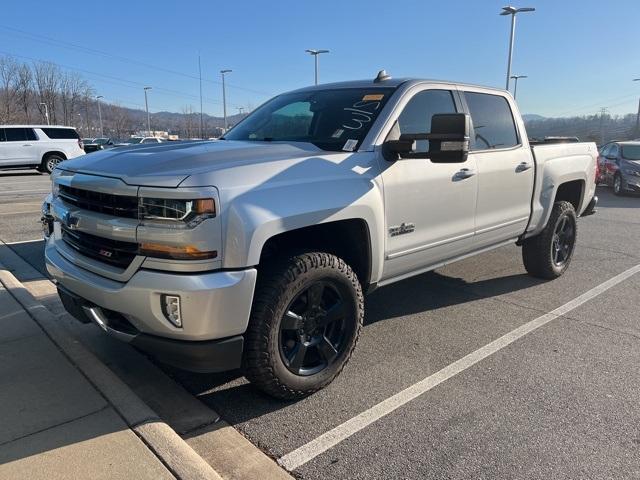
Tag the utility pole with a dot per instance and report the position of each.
(146, 105)
(200, 75)
(100, 114)
(46, 112)
(224, 97)
(512, 11)
(315, 53)
(603, 112)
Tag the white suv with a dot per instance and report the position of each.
(37, 146)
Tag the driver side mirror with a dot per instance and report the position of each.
(448, 140)
(449, 137)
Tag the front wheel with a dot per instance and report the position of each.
(305, 321)
(548, 254)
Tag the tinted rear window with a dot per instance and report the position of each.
(15, 134)
(492, 121)
(61, 133)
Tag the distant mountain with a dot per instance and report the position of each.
(528, 117)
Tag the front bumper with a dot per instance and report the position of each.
(215, 308)
(206, 356)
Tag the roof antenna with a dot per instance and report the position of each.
(382, 76)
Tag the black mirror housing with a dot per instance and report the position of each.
(449, 137)
(403, 146)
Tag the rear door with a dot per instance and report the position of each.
(505, 168)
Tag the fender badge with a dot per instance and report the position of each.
(402, 229)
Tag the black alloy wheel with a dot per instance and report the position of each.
(312, 330)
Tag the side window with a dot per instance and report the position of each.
(614, 150)
(150, 140)
(15, 134)
(61, 133)
(2, 139)
(492, 121)
(416, 116)
(30, 134)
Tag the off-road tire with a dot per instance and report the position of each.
(278, 284)
(537, 251)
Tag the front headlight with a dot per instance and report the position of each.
(173, 213)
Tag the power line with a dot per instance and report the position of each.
(114, 80)
(73, 46)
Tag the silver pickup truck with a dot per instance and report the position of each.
(255, 251)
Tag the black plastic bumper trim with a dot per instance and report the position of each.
(208, 356)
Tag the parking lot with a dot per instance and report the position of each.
(427, 394)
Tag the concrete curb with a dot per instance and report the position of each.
(171, 449)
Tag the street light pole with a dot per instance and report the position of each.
(146, 106)
(100, 114)
(515, 84)
(512, 11)
(315, 53)
(638, 114)
(46, 112)
(200, 76)
(224, 97)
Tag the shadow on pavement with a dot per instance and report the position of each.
(429, 291)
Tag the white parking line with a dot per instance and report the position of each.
(24, 241)
(34, 192)
(327, 440)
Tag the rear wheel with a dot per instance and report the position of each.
(617, 185)
(50, 162)
(305, 321)
(548, 254)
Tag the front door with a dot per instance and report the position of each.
(429, 206)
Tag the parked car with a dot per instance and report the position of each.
(140, 140)
(619, 166)
(255, 251)
(38, 146)
(98, 144)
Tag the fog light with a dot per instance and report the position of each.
(171, 309)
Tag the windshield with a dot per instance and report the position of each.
(336, 120)
(631, 152)
(101, 141)
(134, 140)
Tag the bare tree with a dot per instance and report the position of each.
(47, 76)
(119, 123)
(24, 91)
(8, 78)
(188, 120)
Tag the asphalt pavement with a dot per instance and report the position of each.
(558, 402)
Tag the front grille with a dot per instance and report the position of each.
(114, 205)
(113, 252)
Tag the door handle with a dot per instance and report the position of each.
(523, 167)
(464, 173)
(27, 145)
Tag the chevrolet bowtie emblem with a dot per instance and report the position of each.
(71, 221)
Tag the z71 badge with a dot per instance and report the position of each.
(402, 229)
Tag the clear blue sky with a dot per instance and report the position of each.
(580, 55)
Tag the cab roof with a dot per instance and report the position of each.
(389, 83)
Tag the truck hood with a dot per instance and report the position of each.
(169, 164)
